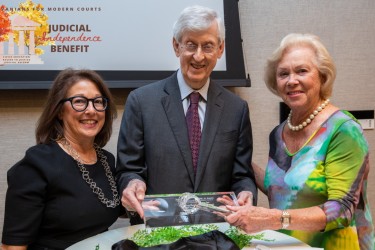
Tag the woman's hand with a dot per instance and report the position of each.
(253, 219)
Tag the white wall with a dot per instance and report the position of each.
(345, 26)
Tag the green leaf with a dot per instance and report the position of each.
(166, 235)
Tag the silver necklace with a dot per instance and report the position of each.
(308, 120)
(92, 184)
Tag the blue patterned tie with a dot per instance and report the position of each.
(194, 127)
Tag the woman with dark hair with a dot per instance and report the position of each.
(63, 190)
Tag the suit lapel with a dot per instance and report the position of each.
(212, 118)
(176, 118)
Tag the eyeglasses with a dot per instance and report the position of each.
(193, 48)
(80, 103)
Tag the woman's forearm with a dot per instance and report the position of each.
(259, 177)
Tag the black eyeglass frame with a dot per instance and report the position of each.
(70, 99)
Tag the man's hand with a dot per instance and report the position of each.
(226, 201)
(244, 198)
(133, 195)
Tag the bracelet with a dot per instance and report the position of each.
(285, 219)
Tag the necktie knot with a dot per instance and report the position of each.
(194, 97)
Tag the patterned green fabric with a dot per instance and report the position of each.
(329, 171)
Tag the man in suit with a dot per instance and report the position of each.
(155, 154)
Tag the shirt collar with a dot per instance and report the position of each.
(186, 90)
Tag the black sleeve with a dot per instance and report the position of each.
(25, 200)
(130, 147)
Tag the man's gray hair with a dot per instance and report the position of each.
(197, 18)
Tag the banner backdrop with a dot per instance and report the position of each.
(96, 34)
(129, 42)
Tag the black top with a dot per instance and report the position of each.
(49, 204)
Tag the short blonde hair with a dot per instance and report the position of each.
(323, 62)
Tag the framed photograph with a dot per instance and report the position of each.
(128, 42)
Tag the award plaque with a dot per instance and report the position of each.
(185, 209)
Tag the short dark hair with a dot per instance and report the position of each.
(50, 127)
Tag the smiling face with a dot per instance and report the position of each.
(196, 67)
(82, 126)
(298, 79)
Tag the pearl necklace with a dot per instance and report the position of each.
(308, 120)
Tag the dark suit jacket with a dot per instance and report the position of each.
(153, 143)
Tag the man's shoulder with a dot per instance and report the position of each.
(227, 94)
(147, 93)
(156, 86)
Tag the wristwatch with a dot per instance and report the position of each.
(285, 219)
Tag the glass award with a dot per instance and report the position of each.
(185, 209)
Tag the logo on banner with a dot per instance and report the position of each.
(26, 34)
(21, 31)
